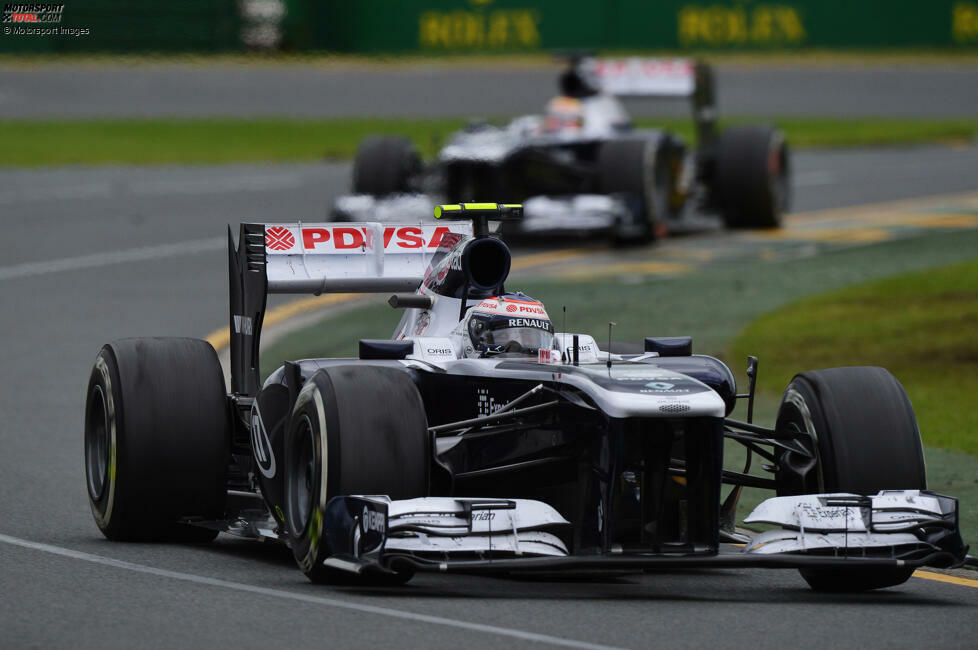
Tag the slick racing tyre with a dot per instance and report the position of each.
(645, 171)
(866, 439)
(157, 439)
(753, 177)
(385, 165)
(354, 430)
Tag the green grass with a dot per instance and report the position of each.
(922, 326)
(29, 143)
(32, 143)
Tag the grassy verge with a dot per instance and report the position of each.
(31, 143)
(714, 305)
(921, 326)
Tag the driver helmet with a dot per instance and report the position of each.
(563, 114)
(508, 323)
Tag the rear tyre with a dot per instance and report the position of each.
(385, 165)
(753, 177)
(865, 434)
(353, 430)
(645, 171)
(157, 433)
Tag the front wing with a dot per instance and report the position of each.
(372, 534)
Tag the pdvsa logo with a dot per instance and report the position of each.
(278, 238)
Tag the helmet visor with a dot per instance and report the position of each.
(496, 331)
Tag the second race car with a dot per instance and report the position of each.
(582, 167)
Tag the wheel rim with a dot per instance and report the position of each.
(303, 485)
(97, 444)
(798, 417)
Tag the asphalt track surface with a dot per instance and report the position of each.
(87, 256)
(432, 90)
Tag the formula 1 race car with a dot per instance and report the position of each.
(582, 167)
(479, 440)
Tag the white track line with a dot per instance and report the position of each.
(318, 600)
(108, 258)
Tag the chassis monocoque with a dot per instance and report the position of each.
(413, 457)
(599, 174)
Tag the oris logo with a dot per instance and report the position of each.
(278, 238)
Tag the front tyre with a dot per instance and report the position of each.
(354, 430)
(157, 433)
(862, 427)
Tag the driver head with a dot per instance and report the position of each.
(512, 323)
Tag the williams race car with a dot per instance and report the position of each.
(479, 440)
(582, 167)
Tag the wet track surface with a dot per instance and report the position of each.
(92, 255)
(431, 90)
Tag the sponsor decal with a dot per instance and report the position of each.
(441, 351)
(278, 238)
(659, 385)
(483, 515)
(964, 27)
(507, 307)
(531, 322)
(261, 445)
(546, 355)
(479, 28)
(243, 325)
(663, 387)
(487, 404)
(741, 24)
(424, 319)
(372, 521)
(352, 238)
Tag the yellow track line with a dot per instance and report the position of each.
(943, 577)
(221, 338)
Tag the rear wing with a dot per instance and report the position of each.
(316, 258)
(652, 77)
